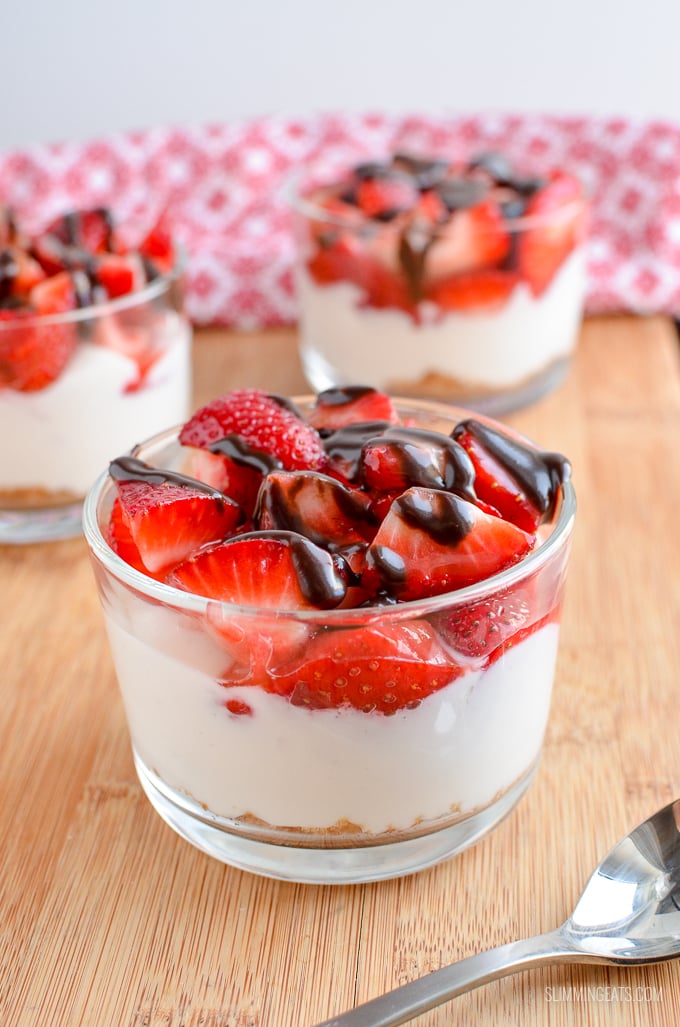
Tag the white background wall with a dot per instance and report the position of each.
(76, 69)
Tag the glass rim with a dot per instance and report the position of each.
(296, 199)
(345, 617)
(151, 291)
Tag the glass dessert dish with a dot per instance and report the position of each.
(94, 355)
(457, 282)
(336, 729)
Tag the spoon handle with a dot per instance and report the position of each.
(426, 992)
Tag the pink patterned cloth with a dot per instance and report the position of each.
(222, 186)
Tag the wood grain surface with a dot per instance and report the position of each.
(110, 920)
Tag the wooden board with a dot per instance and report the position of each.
(110, 920)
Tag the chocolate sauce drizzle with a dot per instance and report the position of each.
(279, 497)
(344, 445)
(237, 449)
(130, 468)
(431, 459)
(444, 516)
(339, 395)
(540, 475)
(322, 576)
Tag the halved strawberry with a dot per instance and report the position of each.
(32, 356)
(337, 407)
(484, 289)
(264, 423)
(379, 668)
(402, 457)
(519, 481)
(271, 570)
(170, 517)
(432, 542)
(559, 211)
(316, 506)
(343, 447)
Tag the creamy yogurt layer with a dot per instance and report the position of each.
(343, 340)
(64, 434)
(314, 769)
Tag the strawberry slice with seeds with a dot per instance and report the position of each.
(486, 289)
(337, 407)
(477, 630)
(263, 431)
(520, 482)
(559, 211)
(274, 570)
(379, 668)
(170, 516)
(32, 355)
(432, 542)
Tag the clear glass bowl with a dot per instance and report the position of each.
(398, 308)
(128, 376)
(278, 786)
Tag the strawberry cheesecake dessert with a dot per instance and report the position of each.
(94, 356)
(334, 623)
(451, 280)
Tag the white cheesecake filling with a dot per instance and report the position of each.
(62, 437)
(313, 769)
(343, 341)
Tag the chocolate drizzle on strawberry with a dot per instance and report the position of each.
(130, 468)
(539, 474)
(339, 395)
(237, 449)
(322, 577)
(417, 449)
(345, 444)
(444, 516)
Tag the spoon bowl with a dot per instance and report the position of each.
(628, 914)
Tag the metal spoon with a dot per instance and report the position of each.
(628, 914)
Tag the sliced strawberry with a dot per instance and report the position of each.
(337, 407)
(380, 668)
(157, 246)
(19, 272)
(344, 445)
(559, 211)
(519, 481)
(475, 237)
(478, 629)
(432, 542)
(402, 457)
(316, 506)
(57, 294)
(121, 541)
(170, 517)
(384, 197)
(274, 570)
(120, 274)
(474, 290)
(32, 355)
(267, 427)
